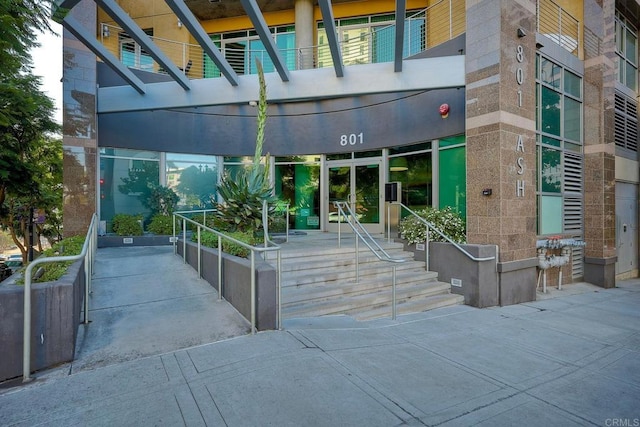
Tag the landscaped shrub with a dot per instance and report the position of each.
(161, 224)
(127, 225)
(210, 240)
(446, 220)
(65, 247)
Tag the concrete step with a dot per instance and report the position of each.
(348, 273)
(358, 302)
(415, 305)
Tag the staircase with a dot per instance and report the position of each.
(318, 279)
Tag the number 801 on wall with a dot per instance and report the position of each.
(351, 139)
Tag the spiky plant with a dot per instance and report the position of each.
(244, 193)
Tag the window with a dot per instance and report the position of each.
(132, 54)
(559, 149)
(627, 52)
(242, 48)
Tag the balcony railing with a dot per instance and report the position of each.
(559, 25)
(432, 26)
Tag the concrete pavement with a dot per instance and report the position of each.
(573, 359)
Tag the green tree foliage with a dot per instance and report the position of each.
(45, 159)
(244, 193)
(20, 21)
(28, 156)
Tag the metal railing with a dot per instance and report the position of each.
(430, 227)
(559, 25)
(424, 29)
(345, 211)
(221, 236)
(88, 253)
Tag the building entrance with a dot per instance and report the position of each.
(359, 182)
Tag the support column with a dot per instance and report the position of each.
(305, 33)
(79, 125)
(599, 145)
(500, 125)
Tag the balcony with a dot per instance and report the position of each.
(370, 44)
(559, 26)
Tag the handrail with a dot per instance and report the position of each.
(90, 242)
(359, 230)
(444, 236)
(221, 236)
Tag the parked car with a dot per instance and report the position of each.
(14, 257)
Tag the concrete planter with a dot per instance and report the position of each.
(144, 240)
(55, 316)
(236, 279)
(476, 281)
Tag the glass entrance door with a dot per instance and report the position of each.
(359, 183)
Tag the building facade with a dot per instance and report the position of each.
(519, 114)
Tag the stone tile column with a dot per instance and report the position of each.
(79, 125)
(599, 144)
(500, 130)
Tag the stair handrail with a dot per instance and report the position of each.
(271, 247)
(444, 236)
(360, 233)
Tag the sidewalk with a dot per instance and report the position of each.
(569, 360)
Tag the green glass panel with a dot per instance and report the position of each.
(631, 78)
(550, 73)
(452, 180)
(452, 140)
(410, 148)
(573, 147)
(339, 156)
(383, 18)
(550, 109)
(551, 171)
(550, 211)
(572, 119)
(367, 204)
(630, 46)
(414, 172)
(550, 141)
(354, 21)
(572, 84)
(299, 186)
(366, 154)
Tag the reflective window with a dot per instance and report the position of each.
(193, 178)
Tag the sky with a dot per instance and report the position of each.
(47, 61)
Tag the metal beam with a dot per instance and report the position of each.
(316, 84)
(332, 38)
(401, 11)
(260, 25)
(89, 40)
(61, 8)
(129, 25)
(189, 20)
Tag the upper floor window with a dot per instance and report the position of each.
(627, 52)
(242, 48)
(132, 54)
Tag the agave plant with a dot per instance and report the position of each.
(244, 193)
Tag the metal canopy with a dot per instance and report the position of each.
(128, 24)
(401, 11)
(253, 11)
(187, 17)
(330, 26)
(76, 28)
(194, 27)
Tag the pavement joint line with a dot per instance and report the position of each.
(480, 407)
(551, 403)
(153, 302)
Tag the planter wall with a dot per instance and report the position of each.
(145, 240)
(236, 279)
(55, 316)
(476, 281)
